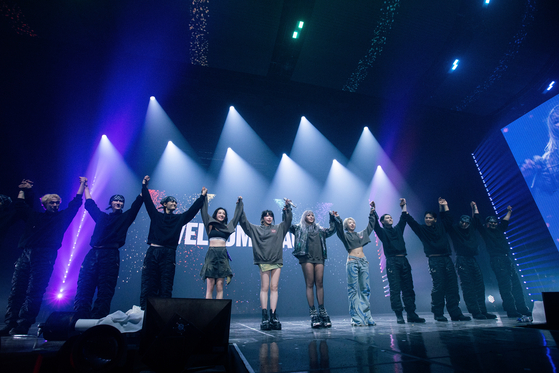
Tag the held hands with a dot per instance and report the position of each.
(287, 202)
(204, 191)
(402, 202)
(146, 180)
(442, 202)
(239, 199)
(335, 213)
(509, 208)
(25, 184)
(83, 180)
(372, 204)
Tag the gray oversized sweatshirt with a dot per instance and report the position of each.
(267, 241)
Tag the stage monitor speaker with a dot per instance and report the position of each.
(176, 331)
(551, 307)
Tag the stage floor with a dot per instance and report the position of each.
(469, 346)
(500, 345)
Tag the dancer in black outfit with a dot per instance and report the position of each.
(463, 236)
(398, 269)
(100, 266)
(493, 233)
(437, 248)
(41, 239)
(158, 272)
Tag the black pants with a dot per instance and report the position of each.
(99, 271)
(471, 281)
(398, 271)
(158, 274)
(509, 285)
(32, 273)
(445, 286)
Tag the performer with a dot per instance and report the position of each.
(463, 236)
(493, 233)
(267, 248)
(8, 215)
(398, 269)
(310, 248)
(357, 268)
(216, 266)
(41, 239)
(437, 248)
(100, 266)
(158, 271)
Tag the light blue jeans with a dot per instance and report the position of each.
(358, 291)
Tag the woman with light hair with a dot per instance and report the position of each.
(357, 267)
(310, 248)
(542, 173)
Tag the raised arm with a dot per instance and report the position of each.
(509, 213)
(332, 229)
(372, 219)
(86, 192)
(287, 217)
(237, 215)
(146, 196)
(403, 205)
(443, 204)
(83, 184)
(189, 214)
(205, 215)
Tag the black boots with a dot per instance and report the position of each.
(400, 318)
(315, 320)
(265, 324)
(324, 318)
(274, 321)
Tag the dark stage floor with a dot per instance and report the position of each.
(471, 346)
(474, 346)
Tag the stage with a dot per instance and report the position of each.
(500, 345)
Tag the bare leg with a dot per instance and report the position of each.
(264, 286)
(318, 277)
(219, 288)
(210, 282)
(275, 276)
(308, 273)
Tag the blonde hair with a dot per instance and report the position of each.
(47, 197)
(346, 222)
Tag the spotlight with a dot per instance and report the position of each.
(59, 295)
(491, 299)
(170, 142)
(455, 64)
(231, 108)
(549, 87)
(152, 98)
(295, 34)
(104, 136)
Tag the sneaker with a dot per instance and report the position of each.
(400, 318)
(479, 316)
(324, 318)
(489, 316)
(461, 318)
(274, 321)
(265, 324)
(315, 322)
(325, 321)
(371, 322)
(414, 318)
(440, 318)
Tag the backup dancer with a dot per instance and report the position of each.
(437, 248)
(41, 239)
(357, 268)
(310, 249)
(100, 266)
(216, 265)
(267, 248)
(158, 272)
(463, 236)
(493, 233)
(398, 269)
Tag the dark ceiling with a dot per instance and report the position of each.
(393, 50)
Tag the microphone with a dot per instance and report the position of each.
(290, 203)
